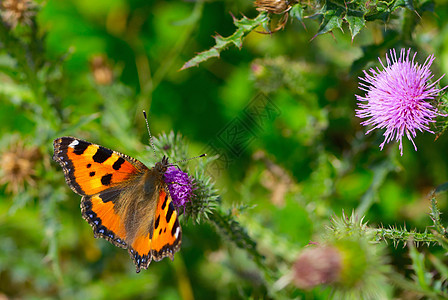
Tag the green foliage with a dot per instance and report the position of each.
(423, 281)
(285, 152)
(331, 13)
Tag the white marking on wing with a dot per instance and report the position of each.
(73, 144)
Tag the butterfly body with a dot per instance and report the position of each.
(124, 201)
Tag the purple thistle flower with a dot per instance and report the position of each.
(397, 97)
(180, 186)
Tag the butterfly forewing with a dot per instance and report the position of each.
(90, 169)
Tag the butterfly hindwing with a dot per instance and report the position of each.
(167, 234)
(99, 211)
(163, 235)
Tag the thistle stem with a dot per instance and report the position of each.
(402, 235)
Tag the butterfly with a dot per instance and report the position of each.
(124, 201)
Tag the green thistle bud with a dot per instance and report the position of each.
(349, 262)
(353, 262)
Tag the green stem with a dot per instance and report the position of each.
(409, 21)
(380, 173)
(435, 216)
(233, 231)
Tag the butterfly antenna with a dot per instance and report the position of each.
(188, 159)
(150, 136)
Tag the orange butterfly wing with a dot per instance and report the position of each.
(167, 232)
(90, 169)
(115, 201)
(163, 240)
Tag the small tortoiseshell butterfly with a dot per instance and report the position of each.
(124, 201)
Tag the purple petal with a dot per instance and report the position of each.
(397, 97)
(180, 186)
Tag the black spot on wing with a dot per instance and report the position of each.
(164, 202)
(89, 165)
(106, 179)
(117, 164)
(102, 154)
(81, 147)
(91, 174)
(109, 195)
(176, 225)
(156, 224)
(170, 212)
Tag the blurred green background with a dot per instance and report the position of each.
(88, 69)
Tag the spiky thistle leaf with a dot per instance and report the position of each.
(244, 27)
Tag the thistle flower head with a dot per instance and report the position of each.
(397, 97)
(180, 186)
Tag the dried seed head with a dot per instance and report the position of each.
(101, 70)
(273, 6)
(17, 11)
(17, 167)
